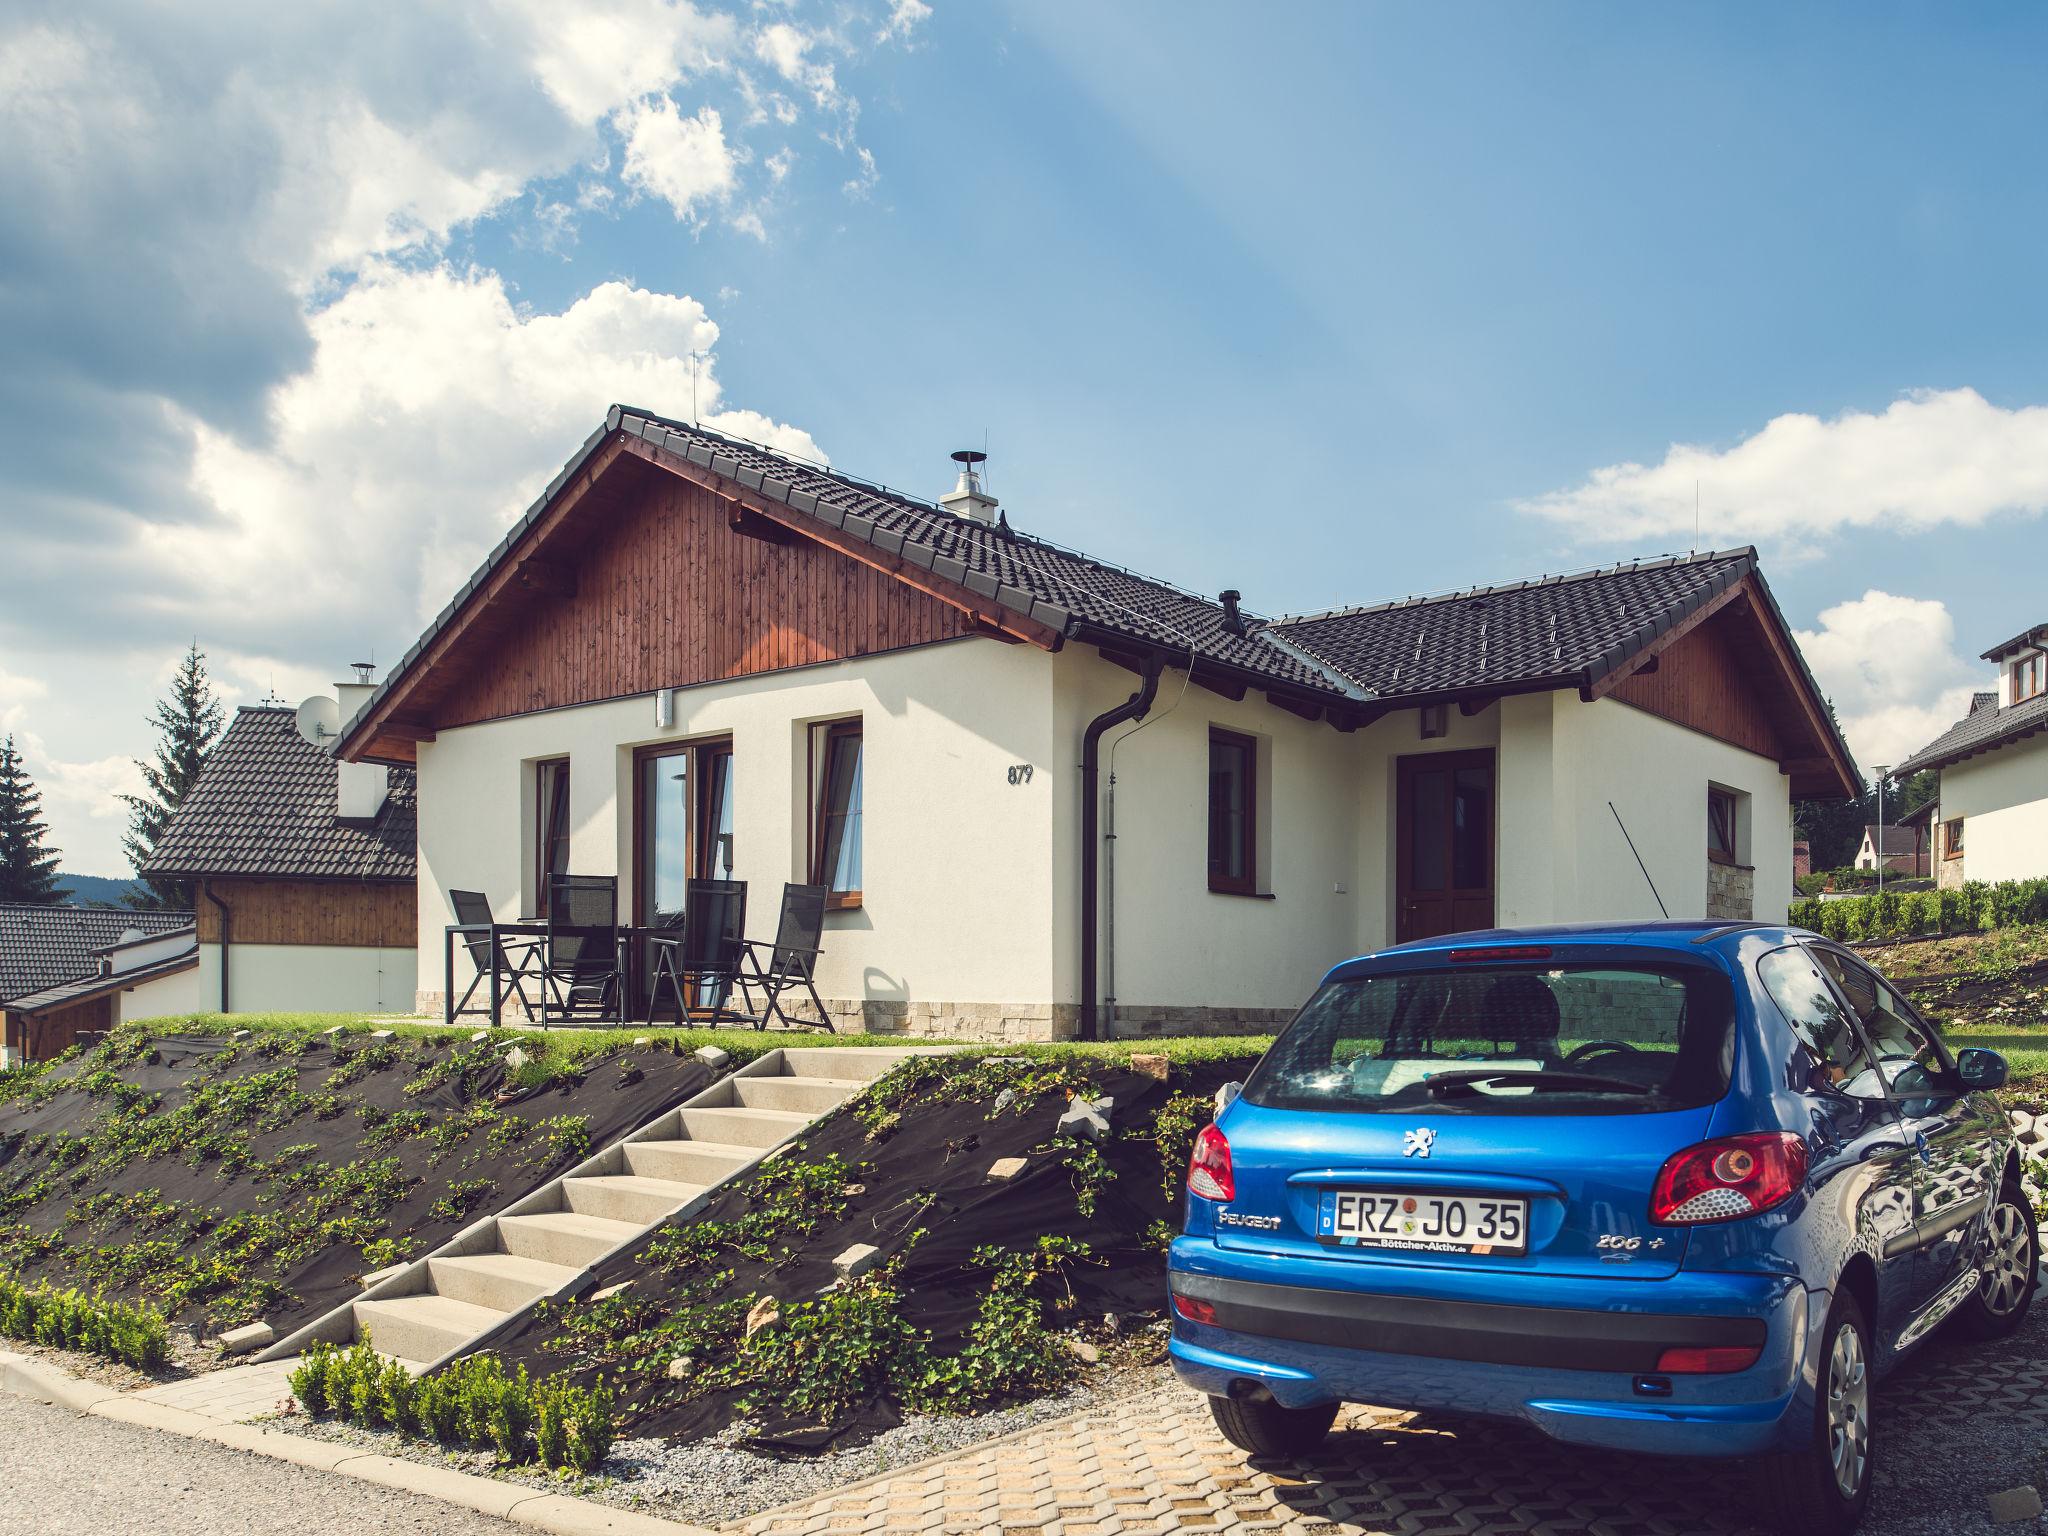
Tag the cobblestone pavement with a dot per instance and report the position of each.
(235, 1395)
(1960, 1422)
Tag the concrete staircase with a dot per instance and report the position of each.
(546, 1244)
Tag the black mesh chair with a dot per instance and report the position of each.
(580, 978)
(517, 959)
(700, 966)
(791, 961)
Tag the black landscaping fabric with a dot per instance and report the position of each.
(941, 1152)
(43, 1236)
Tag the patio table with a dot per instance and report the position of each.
(525, 928)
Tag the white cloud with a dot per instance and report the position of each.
(1890, 666)
(1931, 458)
(905, 17)
(862, 186)
(684, 161)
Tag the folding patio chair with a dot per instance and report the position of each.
(580, 979)
(705, 958)
(517, 957)
(791, 961)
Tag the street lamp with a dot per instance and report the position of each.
(1880, 769)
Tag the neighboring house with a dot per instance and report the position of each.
(71, 970)
(1992, 811)
(1899, 846)
(694, 656)
(1802, 860)
(304, 869)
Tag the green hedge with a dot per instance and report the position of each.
(67, 1319)
(1973, 908)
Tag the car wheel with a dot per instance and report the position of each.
(1823, 1488)
(1264, 1428)
(1999, 1304)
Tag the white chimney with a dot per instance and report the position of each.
(360, 788)
(967, 499)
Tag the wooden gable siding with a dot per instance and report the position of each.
(355, 914)
(668, 593)
(1706, 681)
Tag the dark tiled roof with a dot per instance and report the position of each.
(1979, 702)
(1895, 840)
(1979, 731)
(2028, 636)
(264, 806)
(87, 987)
(43, 946)
(1553, 631)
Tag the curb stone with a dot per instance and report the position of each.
(559, 1513)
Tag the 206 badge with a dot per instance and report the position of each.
(1416, 1143)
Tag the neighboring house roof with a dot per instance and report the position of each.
(1922, 812)
(98, 983)
(1982, 730)
(2032, 635)
(1892, 841)
(264, 807)
(44, 946)
(1569, 631)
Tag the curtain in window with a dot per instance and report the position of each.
(837, 864)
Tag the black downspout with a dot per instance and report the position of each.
(227, 919)
(1134, 708)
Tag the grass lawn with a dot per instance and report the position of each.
(1984, 989)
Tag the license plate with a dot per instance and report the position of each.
(1434, 1223)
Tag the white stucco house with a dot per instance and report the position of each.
(695, 656)
(1992, 817)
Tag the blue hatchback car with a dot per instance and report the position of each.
(1674, 1188)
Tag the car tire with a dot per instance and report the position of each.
(1806, 1490)
(1264, 1428)
(1998, 1306)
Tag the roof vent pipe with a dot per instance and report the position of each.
(967, 499)
(1233, 621)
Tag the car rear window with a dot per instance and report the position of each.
(1538, 1040)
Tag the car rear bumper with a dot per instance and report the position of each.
(1585, 1374)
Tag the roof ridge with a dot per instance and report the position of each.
(1587, 573)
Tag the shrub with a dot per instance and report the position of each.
(1897, 915)
(93, 1325)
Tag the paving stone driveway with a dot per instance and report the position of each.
(1960, 1422)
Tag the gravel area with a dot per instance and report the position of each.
(68, 1474)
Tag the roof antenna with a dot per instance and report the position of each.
(694, 356)
(1695, 517)
(1639, 860)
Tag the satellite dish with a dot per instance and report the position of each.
(320, 718)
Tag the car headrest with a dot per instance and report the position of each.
(1522, 1008)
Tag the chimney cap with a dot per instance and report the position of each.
(969, 456)
(1233, 621)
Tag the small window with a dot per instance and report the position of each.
(836, 797)
(551, 826)
(2029, 677)
(1898, 1035)
(1835, 1057)
(1721, 826)
(1952, 838)
(1233, 770)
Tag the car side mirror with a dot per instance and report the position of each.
(1979, 1068)
(1227, 1096)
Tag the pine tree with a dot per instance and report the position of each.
(188, 722)
(28, 865)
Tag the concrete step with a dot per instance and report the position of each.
(804, 1095)
(627, 1197)
(858, 1063)
(503, 1282)
(687, 1162)
(743, 1127)
(421, 1328)
(564, 1237)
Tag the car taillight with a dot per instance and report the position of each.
(1728, 1179)
(1209, 1169)
(1712, 1360)
(1195, 1311)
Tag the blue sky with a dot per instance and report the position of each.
(1326, 302)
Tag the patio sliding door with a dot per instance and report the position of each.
(683, 820)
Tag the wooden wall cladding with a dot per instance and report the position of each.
(1707, 681)
(668, 593)
(380, 915)
(55, 1031)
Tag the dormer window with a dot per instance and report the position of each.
(2029, 676)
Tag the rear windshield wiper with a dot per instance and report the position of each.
(1444, 1084)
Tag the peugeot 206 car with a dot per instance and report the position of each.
(1675, 1188)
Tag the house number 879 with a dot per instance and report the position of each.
(1020, 773)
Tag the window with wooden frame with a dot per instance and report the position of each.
(1721, 843)
(2029, 676)
(550, 827)
(1952, 838)
(1233, 804)
(836, 763)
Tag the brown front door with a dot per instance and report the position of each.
(1443, 863)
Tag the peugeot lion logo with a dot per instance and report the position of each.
(1416, 1143)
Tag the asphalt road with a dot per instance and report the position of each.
(69, 1474)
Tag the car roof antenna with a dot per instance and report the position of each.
(1666, 911)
